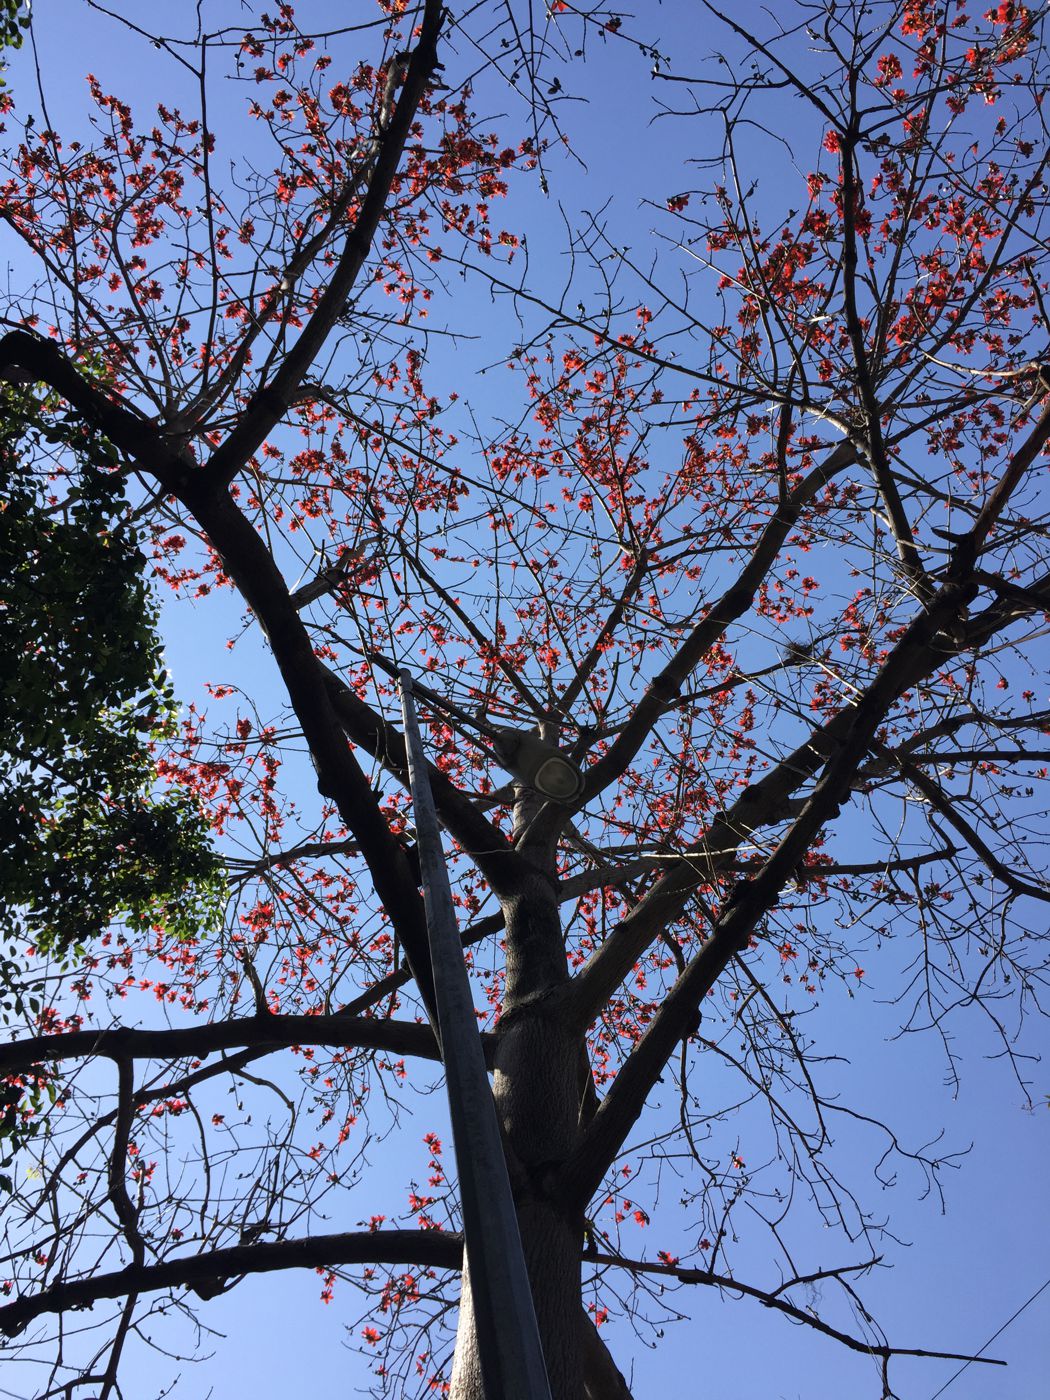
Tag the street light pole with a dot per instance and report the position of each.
(512, 1365)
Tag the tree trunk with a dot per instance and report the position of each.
(537, 1092)
(537, 1089)
(552, 1256)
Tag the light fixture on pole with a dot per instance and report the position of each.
(538, 764)
(533, 761)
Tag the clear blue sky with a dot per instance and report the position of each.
(957, 1276)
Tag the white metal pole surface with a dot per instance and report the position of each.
(512, 1364)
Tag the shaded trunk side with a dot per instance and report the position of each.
(537, 1089)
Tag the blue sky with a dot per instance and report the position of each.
(957, 1276)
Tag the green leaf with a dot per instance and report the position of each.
(91, 836)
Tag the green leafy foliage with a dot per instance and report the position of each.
(89, 835)
(14, 20)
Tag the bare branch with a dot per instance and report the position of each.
(428, 1248)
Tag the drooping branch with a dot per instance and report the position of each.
(263, 1033)
(212, 1272)
(772, 1298)
(208, 1271)
(948, 810)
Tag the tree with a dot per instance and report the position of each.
(785, 771)
(85, 694)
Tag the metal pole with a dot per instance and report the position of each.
(512, 1365)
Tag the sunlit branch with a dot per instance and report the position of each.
(263, 1033)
